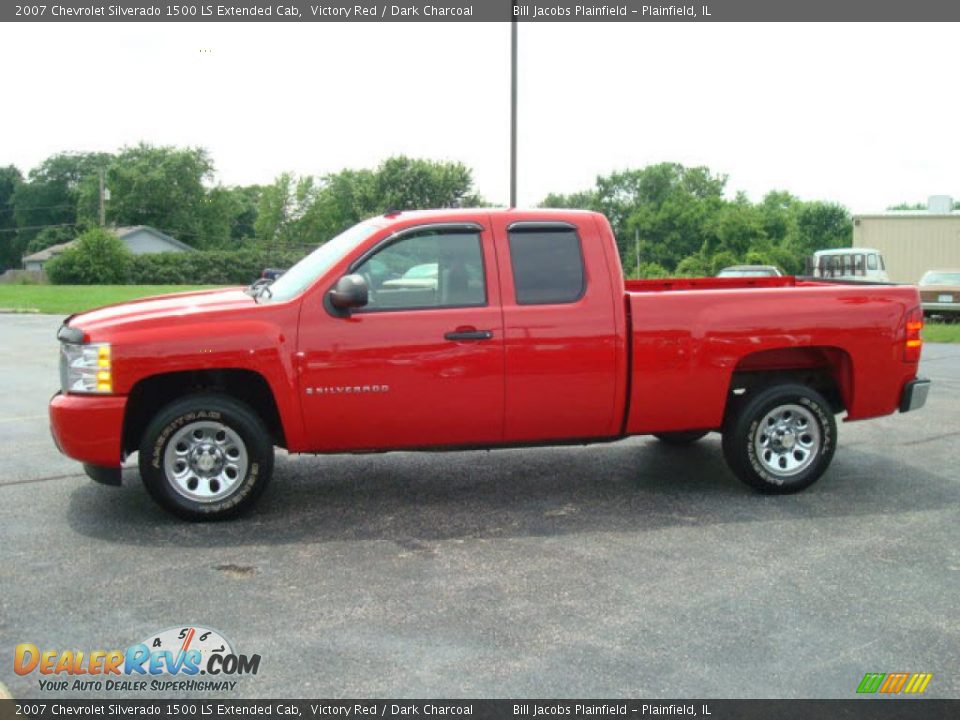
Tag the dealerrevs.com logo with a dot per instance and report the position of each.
(188, 658)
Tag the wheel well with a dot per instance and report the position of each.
(153, 393)
(827, 370)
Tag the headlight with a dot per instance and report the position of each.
(85, 368)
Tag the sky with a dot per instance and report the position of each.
(861, 114)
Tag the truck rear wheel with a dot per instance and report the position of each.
(782, 440)
(684, 437)
(206, 457)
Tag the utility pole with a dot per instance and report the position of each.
(513, 112)
(636, 239)
(103, 211)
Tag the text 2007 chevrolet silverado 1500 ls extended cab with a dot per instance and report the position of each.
(476, 328)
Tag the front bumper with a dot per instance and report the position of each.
(89, 428)
(914, 395)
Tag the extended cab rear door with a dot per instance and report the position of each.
(564, 349)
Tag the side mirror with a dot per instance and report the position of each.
(349, 292)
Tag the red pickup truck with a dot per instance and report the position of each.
(463, 329)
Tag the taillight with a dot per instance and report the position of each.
(913, 342)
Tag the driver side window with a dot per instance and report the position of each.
(433, 269)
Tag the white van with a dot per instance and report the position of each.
(864, 264)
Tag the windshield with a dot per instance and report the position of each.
(940, 278)
(302, 275)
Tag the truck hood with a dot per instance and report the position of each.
(162, 308)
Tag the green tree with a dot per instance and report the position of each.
(651, 270)
(242, 202)
(908, 206)
(300, 212)
(665, 206)
(785, 260)
(777, 218)
(275, 211)
(52, 191)
(738, 228)
(693, 266)
(681, 220)
(819, 226)
(50, 236)
(918, 206)
(163, 187)
(345, 198)
(404, 183)
(10, 180)
(98, 258)
(721, 260)
(585, 200)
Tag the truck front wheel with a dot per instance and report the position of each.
(206, 457)
(782, 440)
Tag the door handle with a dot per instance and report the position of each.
(469, 335)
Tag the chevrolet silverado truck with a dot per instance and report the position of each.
(457, 329)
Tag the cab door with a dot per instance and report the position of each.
(564, 351)
(422, 364)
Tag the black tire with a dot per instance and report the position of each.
(787, 454)
(684, 437)
(212, 416)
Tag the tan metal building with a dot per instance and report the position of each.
(913, 241)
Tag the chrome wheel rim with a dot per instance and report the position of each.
(205, 461)
(787, 440)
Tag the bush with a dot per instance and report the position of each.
(88, 264)
(693, 266)
(98, 258)
(213, 267)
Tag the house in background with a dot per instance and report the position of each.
(139, 239)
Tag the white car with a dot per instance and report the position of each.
(864, 264)
(418, 277)
(750, 271)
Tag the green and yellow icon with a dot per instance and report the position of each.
(895, 683)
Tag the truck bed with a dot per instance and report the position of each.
(689, 336)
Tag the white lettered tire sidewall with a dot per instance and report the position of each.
(740, 432)
(237, 416)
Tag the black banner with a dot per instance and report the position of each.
(857, 709)
(482, 10)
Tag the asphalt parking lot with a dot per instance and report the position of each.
(630, 569)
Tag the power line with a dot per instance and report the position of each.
(39, 207)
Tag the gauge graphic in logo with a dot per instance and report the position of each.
(194, 639)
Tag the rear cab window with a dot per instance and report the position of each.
(547, 263)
